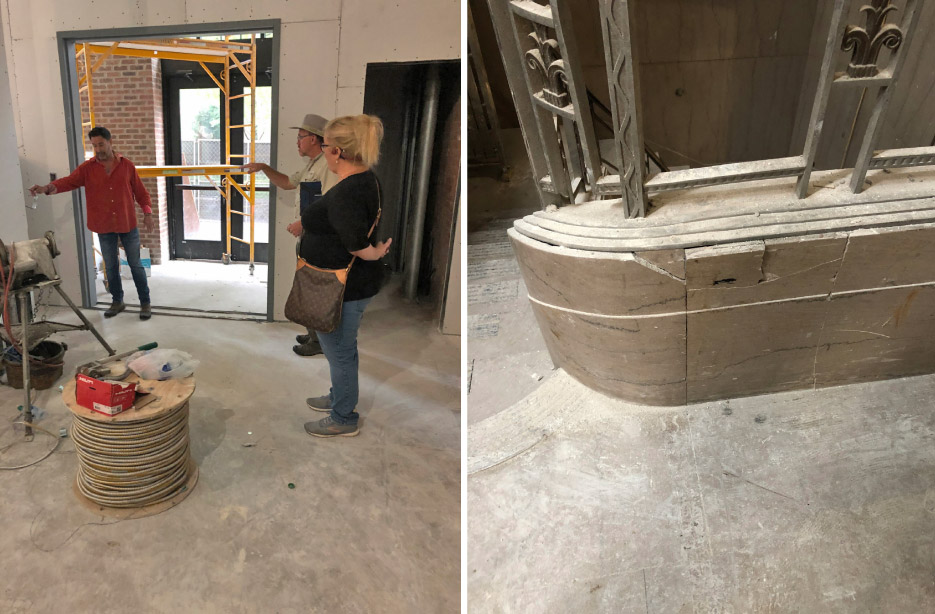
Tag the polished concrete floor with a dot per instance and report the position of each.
(820, 501)
(372, 525)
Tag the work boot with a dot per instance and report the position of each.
(319, 403)
(312, 348)
(303, 339)
(115, 308)
(326, 427)
(146, 312)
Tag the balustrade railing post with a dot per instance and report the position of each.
(623, 78)
(880, 38)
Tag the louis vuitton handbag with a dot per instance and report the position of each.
(317, 295)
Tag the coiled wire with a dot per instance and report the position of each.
(132, 464)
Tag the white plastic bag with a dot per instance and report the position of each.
(162, 363)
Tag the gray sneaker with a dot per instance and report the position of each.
(115, 308)
(326, 427)
(319, 403)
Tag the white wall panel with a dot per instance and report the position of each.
(205, 11)
(162, 12)
(396, 32)
(350, 100)
(307, 82)
(13, 226)
(39, 18)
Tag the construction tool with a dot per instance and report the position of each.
(102, 368)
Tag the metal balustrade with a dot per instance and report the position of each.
(537, 42)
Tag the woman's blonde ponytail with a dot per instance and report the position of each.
(359, 136)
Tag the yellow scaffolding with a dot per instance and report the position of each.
(234, 56)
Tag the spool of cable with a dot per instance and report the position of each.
(138, 461)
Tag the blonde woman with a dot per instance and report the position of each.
(336, 229)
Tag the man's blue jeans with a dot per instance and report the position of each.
(340, 347)
(131, 245)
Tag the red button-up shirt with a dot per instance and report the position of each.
(109, 197)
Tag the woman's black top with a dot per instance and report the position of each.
(337, 224)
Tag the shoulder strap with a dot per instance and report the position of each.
(375, 222)
(379, 207)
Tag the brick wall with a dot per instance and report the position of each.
(128, 102)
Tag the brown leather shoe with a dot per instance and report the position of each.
(146, 312)
(115, 308)
(308, 349)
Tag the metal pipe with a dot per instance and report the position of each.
(24, 341)
(426, 141)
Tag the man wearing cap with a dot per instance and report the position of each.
(309, 140)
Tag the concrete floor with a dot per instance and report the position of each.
(373, 524)
(200, 286)
(507, 357)
(815, 501)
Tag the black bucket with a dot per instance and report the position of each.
(46, 368)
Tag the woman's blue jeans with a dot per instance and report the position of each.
(340, 348)
(131, 245)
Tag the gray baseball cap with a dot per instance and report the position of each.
(314, 124)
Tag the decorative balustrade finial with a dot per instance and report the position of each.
(865, 44)
(546, 61)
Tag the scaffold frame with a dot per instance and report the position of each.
(204, 52)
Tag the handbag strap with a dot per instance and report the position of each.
(375, 221)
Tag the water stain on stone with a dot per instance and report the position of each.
(760, 419)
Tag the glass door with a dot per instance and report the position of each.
(196, 208)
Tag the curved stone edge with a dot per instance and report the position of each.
(564, 238)
(830, 191)
(615, 322)
(508, 435)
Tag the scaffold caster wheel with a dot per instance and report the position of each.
(251, 268)
(226, 258)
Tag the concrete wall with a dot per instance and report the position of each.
(325, 46)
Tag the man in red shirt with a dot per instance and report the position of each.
(110, 184)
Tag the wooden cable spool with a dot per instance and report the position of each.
(138, 462)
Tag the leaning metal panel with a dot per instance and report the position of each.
(514, 66)
(555, 80)
(532, 24)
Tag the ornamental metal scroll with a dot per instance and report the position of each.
(545, 60)
(557, 126)
(866, 43)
